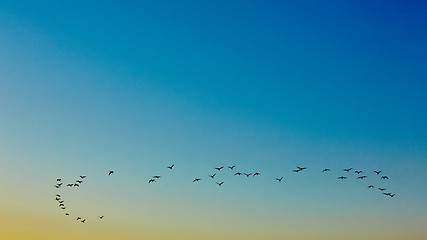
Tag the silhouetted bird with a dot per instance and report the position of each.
(238, 173)
(61, 201)
(67, 214)
(111, 172)
(219, 168)
(78, 181)
(101, 217)
(82, 177)
(279, 179)
(326, 170)
(83, 221)
(301, 168)
(392, 195)
(70, 185)
(384, 177)
(382, 189)
(296, 170)
(62, 207)
(256, 174)
(58, 195)
(342, 177)
(358, 172)
(377, 172)
(231, 167)
(151, 180)
(371, 186)
(248, 174)
(78, 218)
(57, 199)
(76, 185)
(57, 186)
(171, 166)
(156, 176)
(213, 175)
(348, 169)
(58, 179)
(219, 184)
(196, 179)
(362, 177)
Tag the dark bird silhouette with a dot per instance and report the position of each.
(392, 195)
(67, 214)
(82, 177)
(231, 167)
(76, 185)
(58, 179)
(101, 217)
(57, 186)
(57, 199)
(219, 168)
(171, 166)
(58, 195)
(78, 181)
(213, 175)
(78, 218)
(279, 179)
(342, 177)
(256, 174)
(151, 180)
(301, 168)
(111, 172)
(348, 169)
(238, 173)
(377, 172)
(382, 189)
(326, 170)
(358, 172)
(70, 185)
(371, 186)
(248, 174)
(156, 176)
(83, 221)
(296, 170)
(196, 179)
(362, 177)
(384, 177)
(61, 205)
(61, 201)
(219, 184)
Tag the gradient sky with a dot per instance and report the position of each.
(263, 85)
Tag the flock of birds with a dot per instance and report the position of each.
(359, 174)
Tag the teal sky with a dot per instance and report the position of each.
(266, 86)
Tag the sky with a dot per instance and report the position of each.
(89, 87)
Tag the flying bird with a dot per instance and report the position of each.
(67, 214)
(58, 195)
(196, 179)
(219, 184)
(362, 177)
(384, 177)
(296, 170)
(279, 179)
(78, 181)
(382, 189)
(213, 175)
(231, 167)
(348, 169)
(101, 217)
(76, 185)
(301, 168)
(151, 180)
(238, 173)
(219, 168)
(111, 172)
(70, 185)
(256, 173)
(342, 177)
(371, 186)
(171, 166)
(58, 179)
(326, 170)
(82, 177)
(83, 221)
(156, 176)
(377, 172)
(248, 174)
(358, 172)
(78, 218)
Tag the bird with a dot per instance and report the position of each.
(157, 176)
(213, 175)
(196, 179)
(371, 186)
(70, 185)
(279, 179)
(61, 205)
(82, 177)
(151, 180)
(76, 185)
(326, 170)
(231, 167)
(219, 168)
(61, 201)
(58, 195)
(342, 177)
(57, 186)
(248, 174)
(57, 199)
(67, 214)
(171, 166)
(219, 184)
(238, 173)
(387, 194)
(83, 221)
(348, 169)
(296, 170)
(358, 172)
(78, 218)
(392, 195)
(382, 189)
(362, 177)
(301, 168)
(111, 172)
(101, 217)
(384, 177)
(377, 172)
(78, 181)
(256, 173)
(59, 179)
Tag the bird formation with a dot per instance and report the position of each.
(298, 170)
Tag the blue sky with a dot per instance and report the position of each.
(88, 87)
